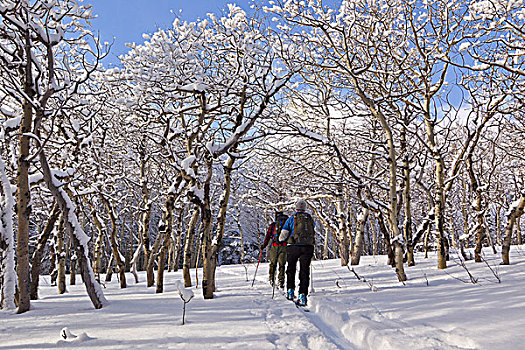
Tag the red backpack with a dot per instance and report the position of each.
(279, 223)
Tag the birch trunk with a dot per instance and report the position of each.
(515, 212)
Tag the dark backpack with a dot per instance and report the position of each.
(303, 229)
(279, 223)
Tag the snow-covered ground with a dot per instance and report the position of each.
(434, 310)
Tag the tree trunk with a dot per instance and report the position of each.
(407, 200)
(515, 212)
(439, 194)
(464, 213)
(207, 263)
(150, 263)
(130, 249)
(61, 253)
(342, 232)
(188, 243)
(428, 234)
(146, 216)
(119, 259)
(178, 244)
(39, 251)
(207, 253)
(73, 269)
(23, 203)
(325, 247)
(357, 249)
(109, 267)
(7, 248)
(498, 225)
(360, 236)
(133, 262)
(374, 237)
(221, 217)
(80, 239)
(241, 235)
(162, 264)
(480, 232)
(166, 236)
(392, 162)
(97, 266)
(518, 230)
(386, 238)
(439, 214)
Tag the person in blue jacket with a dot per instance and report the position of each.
(298, 231)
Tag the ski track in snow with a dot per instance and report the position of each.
(344, 313)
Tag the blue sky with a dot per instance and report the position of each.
(126, 20)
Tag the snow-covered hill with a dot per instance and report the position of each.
(436, 309)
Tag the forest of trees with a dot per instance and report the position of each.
(401, 123)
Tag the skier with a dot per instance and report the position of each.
(299, 232)
(277, 249)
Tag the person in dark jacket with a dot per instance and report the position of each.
(298, 232)
(277, 248)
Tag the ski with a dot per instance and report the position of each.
(304, 308)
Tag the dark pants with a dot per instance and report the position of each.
(304, 254)
(277, 255)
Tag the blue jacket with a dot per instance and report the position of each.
(287, 230)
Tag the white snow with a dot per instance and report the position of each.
(186, 165)
(185, 293)
(12, 123)
(344, 312)
(197, 87)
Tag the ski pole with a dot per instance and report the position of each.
(255, 274)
